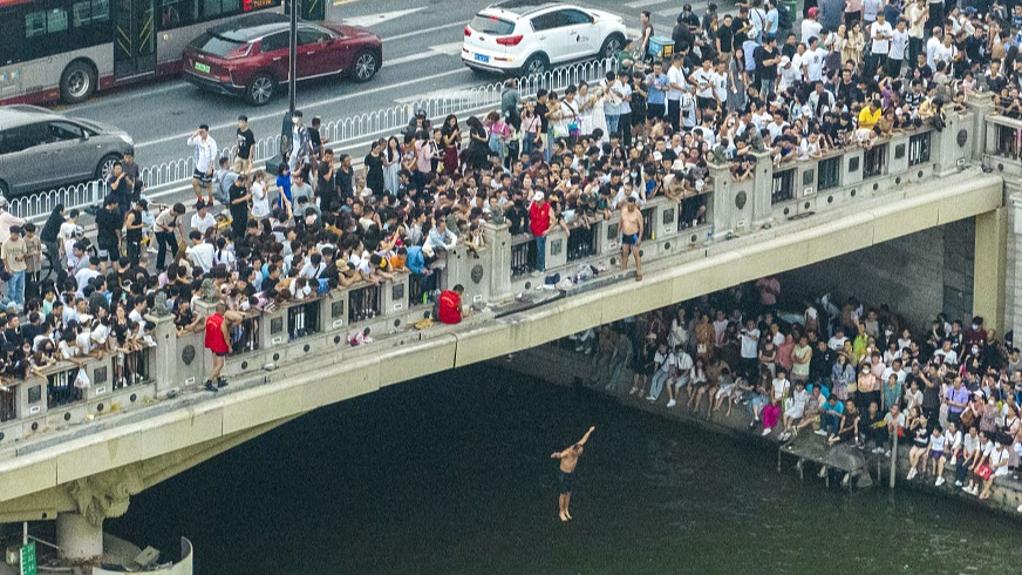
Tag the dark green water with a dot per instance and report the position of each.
(451, 474)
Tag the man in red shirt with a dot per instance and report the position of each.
(539, 225)
(449, 305)
(218, 341)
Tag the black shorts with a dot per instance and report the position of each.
(203, 177)
(629, 239)
(706, 103)
(654, 111)
(565, 482)
(221, 354)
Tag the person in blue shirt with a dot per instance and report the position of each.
(284, 184)
(656, 98)
(830, 418)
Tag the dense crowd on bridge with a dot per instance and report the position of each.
(849, 73)
(850, 373)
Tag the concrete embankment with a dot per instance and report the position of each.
(558, 364)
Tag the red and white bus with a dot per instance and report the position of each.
(67, 49)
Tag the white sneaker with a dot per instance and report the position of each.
(822, 473)
(820, 432)
(911, 474)
(940, 481)
(783, 436)
(632, 391)
(1020, 508)
(958, 483)
(672, 403)
(767, 431)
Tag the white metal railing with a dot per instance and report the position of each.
(351, 131)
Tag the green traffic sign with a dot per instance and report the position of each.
(28, 562)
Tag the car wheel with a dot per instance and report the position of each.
(364, 66)
(106, 165)
(260, 90)
(77, 83)
(611, 46)
(535, 65)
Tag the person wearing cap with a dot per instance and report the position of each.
(13, 252)
(811, 28)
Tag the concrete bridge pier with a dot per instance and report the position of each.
(78, 538)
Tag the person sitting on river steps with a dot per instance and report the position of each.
(569, 459)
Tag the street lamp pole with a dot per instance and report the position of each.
(292, 71)
(293, 58)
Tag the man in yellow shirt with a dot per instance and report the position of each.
(870, 115)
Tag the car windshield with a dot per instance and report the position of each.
(491, 25)
(215, 45)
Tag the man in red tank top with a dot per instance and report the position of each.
(218, 341)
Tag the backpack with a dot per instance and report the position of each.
(783, 17)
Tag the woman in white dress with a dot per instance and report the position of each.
(391, 165)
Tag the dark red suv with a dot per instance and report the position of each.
(249, 56)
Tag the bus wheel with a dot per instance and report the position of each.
(77, 83)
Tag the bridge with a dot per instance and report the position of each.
(78, 456)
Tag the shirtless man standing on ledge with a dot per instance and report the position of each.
(631, 236)
(569, 459)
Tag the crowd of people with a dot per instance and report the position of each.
(852, 71)
(852, 374)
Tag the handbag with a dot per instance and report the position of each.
(984, 472)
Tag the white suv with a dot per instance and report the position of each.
(528, 36)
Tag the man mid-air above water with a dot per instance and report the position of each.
(569, 459)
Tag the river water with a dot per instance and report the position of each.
(451, 474)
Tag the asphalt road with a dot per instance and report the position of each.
(421, 42)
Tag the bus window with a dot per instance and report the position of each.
(43, 22)
(91, 22)
(177, 13)
(216, 8)
(12, 32)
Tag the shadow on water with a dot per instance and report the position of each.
(451, 474)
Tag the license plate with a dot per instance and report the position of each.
(204, 68)
(482, 58)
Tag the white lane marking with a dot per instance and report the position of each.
(423, 31)
(182, 137)
(644, 3)
(452, 49)
(374, 19)
(108, 99)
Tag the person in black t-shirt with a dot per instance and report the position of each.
(239, 197)
(725, 38)
(246, 140)
(767, 59)
(326, 185)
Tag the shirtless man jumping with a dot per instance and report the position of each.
(569, 459)
(631, 236)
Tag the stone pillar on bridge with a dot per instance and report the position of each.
(762, 191)
(78, 538)
(981, 105)
(164, 359)
(721, 202)
(498, 242)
